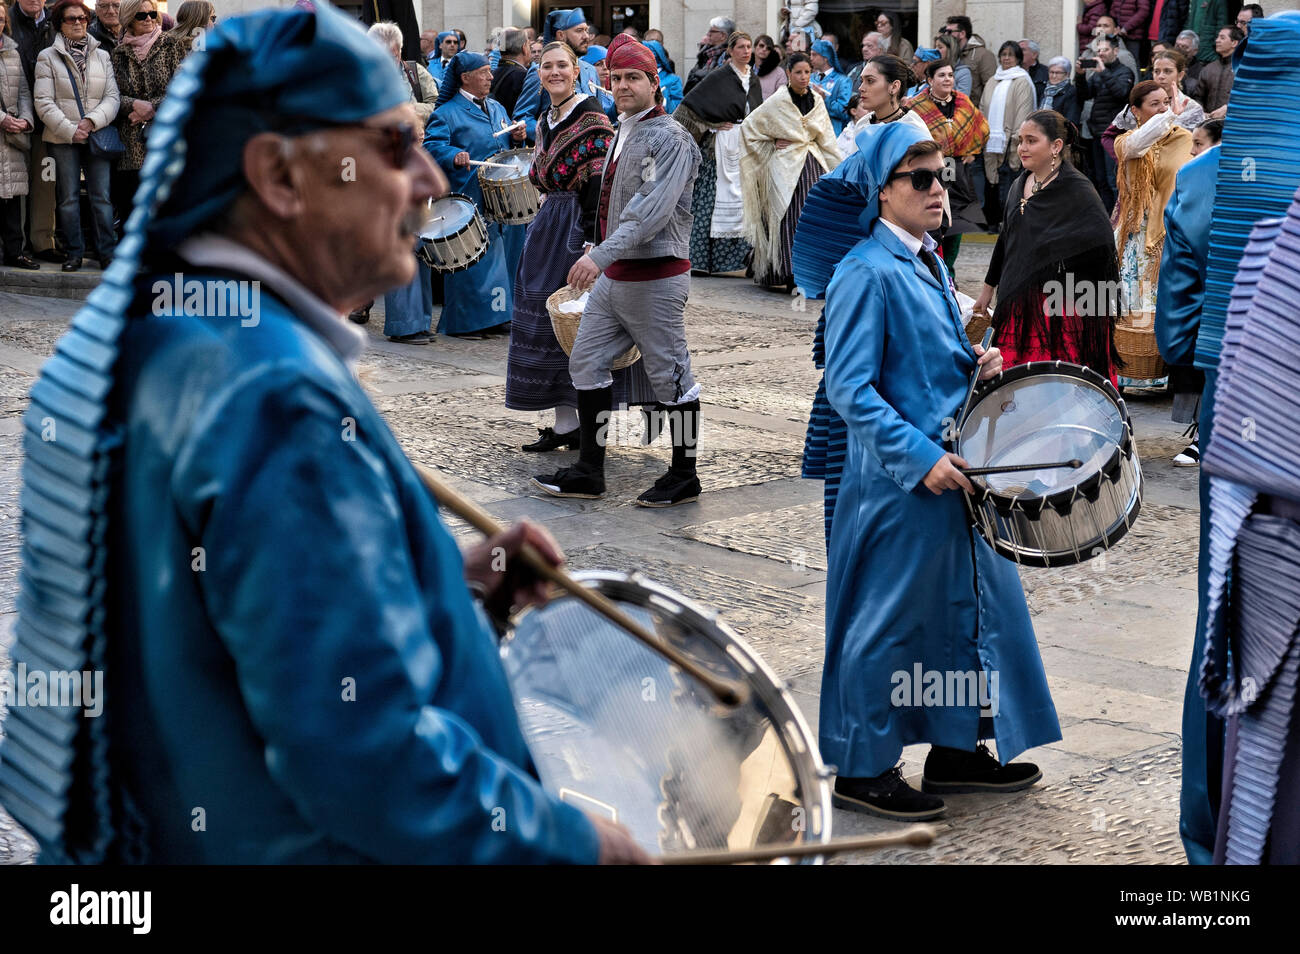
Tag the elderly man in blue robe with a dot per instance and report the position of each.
(219, 521)
(566, 26)
(1180, 297)
(928, 638)
(461, 130)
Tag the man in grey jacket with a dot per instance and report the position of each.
(642, 236)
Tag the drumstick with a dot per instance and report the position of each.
(974, 380)
(494, 165)
(1017, 468)
(918, 835)
(511, 128)
(724, 690)
(591, 85)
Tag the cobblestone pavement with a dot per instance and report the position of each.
(1115, 636)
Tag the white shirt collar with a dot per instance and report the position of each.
(216, 251)
(470, 96)
(913, 244)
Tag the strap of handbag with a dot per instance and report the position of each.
(72, 78)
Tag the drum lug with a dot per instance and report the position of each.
(828, 771)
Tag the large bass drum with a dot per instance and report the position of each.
(617, 731)
(1044, 412)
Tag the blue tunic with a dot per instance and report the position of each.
(528, 106)
(1179, 297)
(298, 653)
(437, 69)
(910, 584)
(836, 85)
(481, 296)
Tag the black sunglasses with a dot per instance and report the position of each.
(922, 179)
(399, 142)
(143, 15)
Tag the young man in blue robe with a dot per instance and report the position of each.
(220, 524)
(567, 26)
(928, 637)
(445, 49)
(462, 128)
(831, 84)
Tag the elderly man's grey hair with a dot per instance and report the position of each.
(725, 24)
(512, 41)
(876, 38)
(1032, 45)
(1189, 35)
(387, 33)
(1060, 61)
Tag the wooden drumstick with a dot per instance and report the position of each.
(511, 128)
(724, 690)
(918, 836)
(1074, 463)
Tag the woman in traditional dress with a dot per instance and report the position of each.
(1008, 98)
(1168, 70)
(767, 64)
(573, 137)
(712, 113)
(1148, 158)
(1054, 266)
(961, 131)
(788, 143)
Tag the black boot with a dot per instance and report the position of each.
(586, 478)
(953, 771)
(886, 796)
(680, 485)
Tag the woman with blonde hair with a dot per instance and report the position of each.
(788, 142)
(1148, 159)
(193, 19)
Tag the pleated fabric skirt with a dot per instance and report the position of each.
(812, 171)
(710, 254)
(537, 369)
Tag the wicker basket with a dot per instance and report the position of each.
(565, 324)
(1135, 340)
(978, 324)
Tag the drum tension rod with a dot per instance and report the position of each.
(726, 691)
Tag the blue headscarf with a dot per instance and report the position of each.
(291, 71)
(928, 54)
(595, 54)
(462, 62)
(844, 204)
(661, 55)
(561, 20)
(825, 49)
(442, 36)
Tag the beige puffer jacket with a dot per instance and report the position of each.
(17, 101)
(55, 104)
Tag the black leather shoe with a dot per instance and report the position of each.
(22, 261)
(885, 796)
(72, 265)
(954, 772)
(51, 255)
(671, 489)
(549, 440)
(575, 481)
(359, 316)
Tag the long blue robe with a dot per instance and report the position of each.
(909, 582)
(483, 295)
(295, 647)
(839, 93)
(528, 105)
(1180, 295)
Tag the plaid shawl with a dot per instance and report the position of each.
(963, 135)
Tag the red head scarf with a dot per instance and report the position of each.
(625, 53)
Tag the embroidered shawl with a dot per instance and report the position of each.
(575, 154)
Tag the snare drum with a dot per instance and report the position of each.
(456, 237)
(617, 731)
(508, 195)
(1041, 412)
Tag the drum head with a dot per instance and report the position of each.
(519, 161)
(1042, 418)
(618, 732)
(449, 215)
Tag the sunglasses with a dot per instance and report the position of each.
(922, 179)
(399, 142)
(143, 15)
(75, 19)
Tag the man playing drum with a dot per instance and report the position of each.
(643, 229)
(928, 638)
(296, 670)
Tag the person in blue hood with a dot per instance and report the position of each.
(914, 596)
(218, 520)
(669, 82)
(831, 83)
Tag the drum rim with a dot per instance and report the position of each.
(484, 172)
(773, 690)
(1108, 471)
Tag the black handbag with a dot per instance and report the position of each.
(105, 143)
